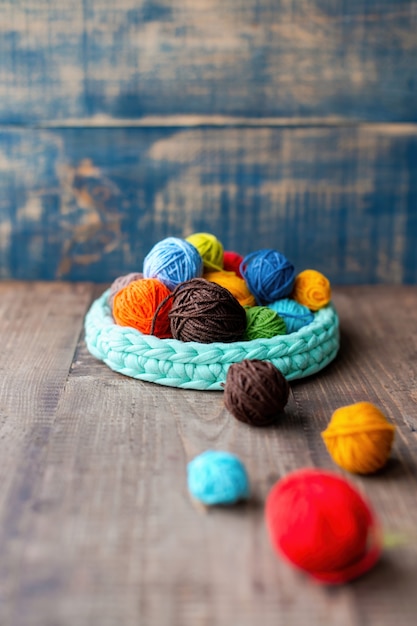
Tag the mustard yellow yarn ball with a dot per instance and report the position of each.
(359, 438)
(312, 289)
(210, 249)
(237, 286)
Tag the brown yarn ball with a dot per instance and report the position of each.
(120, 283)
(206, 312)
(255, 392)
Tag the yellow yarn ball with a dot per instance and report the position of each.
(359, 438)
(210, 249)
(236, 285)
(312, 289)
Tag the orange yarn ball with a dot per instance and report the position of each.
(359, 438)
(237, 286)
(136, 304)
(119, 283)
(312, 289)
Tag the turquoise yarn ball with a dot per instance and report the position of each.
(294, 314)
(268, 274)
(173, 261)
(216, 477)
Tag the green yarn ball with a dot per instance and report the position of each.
(263, 323)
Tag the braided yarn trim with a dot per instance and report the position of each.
(192, 365)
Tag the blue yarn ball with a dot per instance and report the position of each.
(173, 261)
(268, 274)
(216, 477)
(294, 314)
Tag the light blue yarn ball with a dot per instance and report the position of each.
(216, 477)
(294, 314)
(173, 261)
(268, 274)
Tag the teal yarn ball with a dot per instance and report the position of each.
(263, 323)
(173, 261)
(216, 477)
(294, 314)
(268, 274)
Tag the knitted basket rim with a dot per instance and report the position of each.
(192, 365)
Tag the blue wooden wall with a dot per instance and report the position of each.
(271, 123)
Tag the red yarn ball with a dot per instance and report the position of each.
(137, 303)
(322, 525)
(232, 261)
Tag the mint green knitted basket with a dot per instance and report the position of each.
(192, 365)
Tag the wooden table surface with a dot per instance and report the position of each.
(97, 527)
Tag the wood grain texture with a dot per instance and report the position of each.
(88, 204)
(97, 526)
(87, 58)
(40, 327)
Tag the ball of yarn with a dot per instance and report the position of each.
(322, 525)
(206, 312)
(210, 249)
(312, 289)
(136, 305)
(268, 274)
(232, 261)
(234, 284)
(359, 438)
(216, 477)
(255, 392)
(294, 314)
(173, 261)
(263, 323)
(119, 283)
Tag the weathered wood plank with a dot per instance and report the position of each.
(377, 363)
(322, 58)
(100, 528)
(39, 329)
(87, 204)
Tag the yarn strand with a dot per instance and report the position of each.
(206, 312)
(158, 309)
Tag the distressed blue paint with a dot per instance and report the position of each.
(345, 202)
(143, 57)
(333, 199)
(410, 248)
(150, 11)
